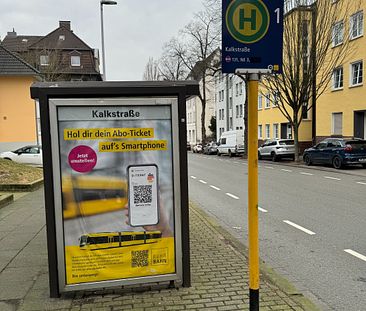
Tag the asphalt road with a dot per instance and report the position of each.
(312, 222)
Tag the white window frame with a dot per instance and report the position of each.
(356, 25)
(260, 131)
(338, 78)
(44, 60)
(337, 33)
(75, 61)
(260, 105)
(359, 78)
(276, 132)
(267, 101)
(268, 131)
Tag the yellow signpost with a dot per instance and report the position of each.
(252, 45)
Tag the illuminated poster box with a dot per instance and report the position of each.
(115, 183)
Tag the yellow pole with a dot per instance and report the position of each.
(253, 192)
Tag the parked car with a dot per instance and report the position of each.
(188, 146)
(27, 155)
(210, 148)
(231, 143)
(197, 148)
(276, 149)
(338, 152)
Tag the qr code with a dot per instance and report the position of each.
(140, 258)
(142, 194)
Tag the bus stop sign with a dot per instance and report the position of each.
(252, 34)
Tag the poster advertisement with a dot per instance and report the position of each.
(116, 166)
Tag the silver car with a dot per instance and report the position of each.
(276, 149)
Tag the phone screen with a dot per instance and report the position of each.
(143, 195)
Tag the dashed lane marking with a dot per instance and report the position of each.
(308, 174)
(214, 187)
(285, 170)
(353, 253)
(332, 178)
(202, 181)
(262, 210)
(361, 183)
(232, 196)
(270, 167)
(193, 177)
(299, 227)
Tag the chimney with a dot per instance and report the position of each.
(66, 24)
(12, 34)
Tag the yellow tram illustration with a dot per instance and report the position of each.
(100, 240)
(90, 195)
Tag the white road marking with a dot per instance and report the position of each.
(304, 173)
(262, 210)
(332, 178)
(270, 167)
(216, 188)
(358, 255)
(282, 169)
(193, 177)
(203, 182)
(298, 227)
(245, 163)
(232, 196)
(361, 183)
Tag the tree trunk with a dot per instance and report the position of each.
(203, 114)
(296, 140)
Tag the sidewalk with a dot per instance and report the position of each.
(218, 266)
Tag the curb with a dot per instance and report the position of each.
(6, 199)
(22, 187)
(267, 272)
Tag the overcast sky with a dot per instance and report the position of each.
(134, 29)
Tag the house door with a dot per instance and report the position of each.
(360, 124)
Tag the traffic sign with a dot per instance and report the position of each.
(252, 35)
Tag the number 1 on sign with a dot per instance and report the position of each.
(277, 11)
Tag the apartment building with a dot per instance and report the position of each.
(341, 110)
(230, 102)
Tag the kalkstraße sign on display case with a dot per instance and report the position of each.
(252, 34)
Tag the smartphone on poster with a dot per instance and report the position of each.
(143, 195)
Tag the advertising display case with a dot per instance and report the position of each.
(116, 196)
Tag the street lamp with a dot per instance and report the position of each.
(102, 2)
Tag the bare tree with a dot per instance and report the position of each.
(195, 48)
(152, 70)
(309, 58)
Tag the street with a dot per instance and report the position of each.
(311, 222)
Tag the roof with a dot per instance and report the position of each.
(11, 65)
(19, 43)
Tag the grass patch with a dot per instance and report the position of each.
(17, 173)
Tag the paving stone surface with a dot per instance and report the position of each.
(219, 272)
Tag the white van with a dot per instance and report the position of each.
(231, 143)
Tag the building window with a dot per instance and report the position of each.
(237, 111)
(61, 37)
(268, 101)
(230, 82)
(240, 88)
(44, 60)
(259, 102)
(223, 114)
(338, 78)
(276, 97)
(275, 130)
(241, 111)
(337, 33)
(337, 123)
(304, 110)
(231, 123)
(260, 131)
(268, 134)
(230, 103)
(75, 61)
(236, 89)
(356, 25)
(356, 73)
